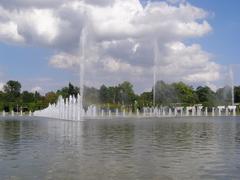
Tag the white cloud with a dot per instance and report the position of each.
(30, 3)
(120, 37)
(63, 61)
(188, 63)
(117, 66)
(123, 19)
(9, 32)
(38, 26)
(1, 86)
(37, 88)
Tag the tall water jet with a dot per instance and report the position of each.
(156, 57)
(232, 84)
(213, 111)
(82, 69)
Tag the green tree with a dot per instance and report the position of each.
(145, 99)
(165, 93)
(125, 93)
(224, 95)
(185, 93)
(206, 96)
(1, 100)
(91, 96)
(12, 90)
(73, 91)
(37, 96)
(104, 95)
(27, 97)
(51, 97)
(63, 92)
(237, 94)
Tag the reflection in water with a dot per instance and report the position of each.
(10, 133)
(193, 148)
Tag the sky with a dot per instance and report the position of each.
(194, 41)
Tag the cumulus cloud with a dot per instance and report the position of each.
(1, 86)
(38, 26)
(120, 37)
(188, 63)
(123, 19)
(9, 32)
(116, 66)
(63, 61)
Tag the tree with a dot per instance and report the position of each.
(37, 96)
(224, 95)
(237, 94)
(27, 97)
(1, 100)
(145, 99)
(12, 90)
(126, 93)
(63, 92)
(112, 94)
(185, 93)
(103, 93)
(51, 98)
(73, 91)
(91, 96)
(206, 96)
(165, 93)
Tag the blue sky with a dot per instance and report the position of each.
(30, 63)
(224, 41)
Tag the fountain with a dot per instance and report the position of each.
(220, 110)
(232, 109)
(124, 113)
(213, 111)
(232, 84)
(163, 112)
(206, 111)
(83, 40)
(72, 108)
(68, 109)
(193, 111)
(117, 113)
(169, 112)
(156, 57)
(138, 113)
(199, 110)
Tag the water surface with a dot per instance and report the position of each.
(171, 148)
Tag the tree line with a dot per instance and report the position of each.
(121, 95)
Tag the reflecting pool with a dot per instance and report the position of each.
(170, 148)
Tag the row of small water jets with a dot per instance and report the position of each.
(72, 109)
(12, 113)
